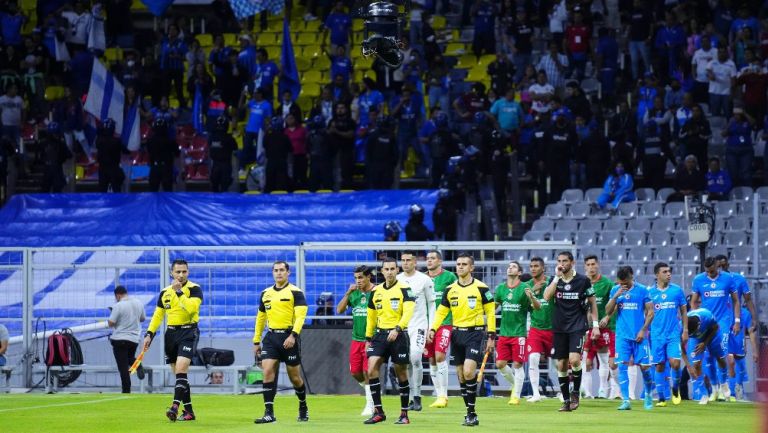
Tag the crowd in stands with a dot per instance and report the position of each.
(670, 91)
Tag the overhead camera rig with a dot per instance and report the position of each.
(382, 30)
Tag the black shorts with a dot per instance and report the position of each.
(397, 350)
(467, 345)
(180, 341)
(566, 343)
(272, 348)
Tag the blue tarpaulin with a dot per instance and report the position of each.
(199, 219)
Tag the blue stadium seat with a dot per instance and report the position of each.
(674, 210)
(555, 211)
(645, 194)
(572, 196)
(651, 209)
(591, 195)
(615, 253)
(641, 224)
(579, 211)
(664, 193)
(590, 225)
(628, 210)
(567, 226)
(614, 225)
(725, 209)
(543, 225)
(609, 238)
(666, 254)
(634, 239)
(664, 224)
(658, 238)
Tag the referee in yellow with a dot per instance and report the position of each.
(283, 307)
(390, 307)
(467, 300)
(180, 302)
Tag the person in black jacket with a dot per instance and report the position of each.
(560, 142)
(320, 164)
(443, 144)
(694, 137)
(341, 133)
(689, 180)
(162, 153)
(277, 147)
(381, 155)
(110, 150)
(654, 152)
(55, 153)
(415, 230)
(7, 150)
(221, 146)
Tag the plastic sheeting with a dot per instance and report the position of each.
(195, 219)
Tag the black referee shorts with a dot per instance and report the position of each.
(566, 343)
(272, 348)
(467, 344)
(180, 341)
(397, 350)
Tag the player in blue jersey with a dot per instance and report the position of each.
(737, 368)
(716, 291)
(705, 334)
(666, 332)
(634, 308)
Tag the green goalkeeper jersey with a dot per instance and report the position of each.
(602, 289)
(441, 282)
(514, 309)
(541, 318)
(358, 302)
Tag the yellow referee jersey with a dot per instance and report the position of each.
(467, 304)
(389, 307)
(181, 310)
(281, 308)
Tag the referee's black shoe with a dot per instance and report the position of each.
(266, 419)
(303, 414)
(378, 416)
(403, 418)
(574, 400)
(470, 420)
(566, 407)
(415, 404)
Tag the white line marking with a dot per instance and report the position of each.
(64, 404)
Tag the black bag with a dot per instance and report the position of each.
(217, 357)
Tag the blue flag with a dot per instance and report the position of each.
(157, 7)
(197, 111)
(246, 8)
(289, 79)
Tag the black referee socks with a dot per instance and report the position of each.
(576, 371)
(180, 392)
(375, 385)
(301, 394)
(564, 383)
(270, 389)
(405, 391)
(471, 385)
(463, 392)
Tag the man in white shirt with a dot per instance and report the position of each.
(541, 94)
(720, 72)
(423, 291)
(78, 25)
(700, 62)
(555, 65)
(11, 114)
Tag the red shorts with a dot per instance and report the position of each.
(358, 361)
(511, 349)
(540, 341)
(440, 343)
(607, 339)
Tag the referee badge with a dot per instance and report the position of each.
(395, 304)
(472, 302)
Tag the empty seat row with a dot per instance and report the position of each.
(648, 194)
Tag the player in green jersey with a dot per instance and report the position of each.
(604, 348)
(438, 365)
(515, 299)
(356, 298)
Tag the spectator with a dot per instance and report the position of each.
(559, 146)
(381, 155)
(55, 153)
(646, 94)
(7, 151)
(246, 57)
(413, 69)
(689, 180)
(264, 75)
(369, 99)
(324, 106)
(670, 43)
(340, 63)
(259, 112)
(744, 22)
(468, 104)
(558, 15)
(341, 91)
(720, 72)
(408, 112)
(694, 137)
(640, 33)
(109, 153)
(172, 52)
(653, 153)
(439, 83)
(415, 230)
(443, 144)
(618, 188)
(718, 181)
(521, 45)
(661, 116)
(554, 64)
(288, 106)
(219, 55)
(595, 154)
(151, 79)
(217, 377)
(168, 114)
(77, 35)
(576, 101)
(297, 134)
(607, 62)
(320, 163)
(541, 94)
(397, 74)
(119, 30)
(623, 125)
(739, 148)
(339, 25)
(484, 41)
(221, 147)
(277, 148)
(743, 44)
(507, 113)
(162, 151)
(11, 22)
(682, 115)
(577, 37)
(700, 63)
(214, 108)
(12, 113)
(341, 133)
(673, 94)
(4, 337)
(195, 56)
(232, 79)
(325, 307)
(202, 79)
(754, 80)
(502, 74)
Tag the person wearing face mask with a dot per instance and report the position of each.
(618, 188)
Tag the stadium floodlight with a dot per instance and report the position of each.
(382, 31)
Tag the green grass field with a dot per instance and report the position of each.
(116, 413)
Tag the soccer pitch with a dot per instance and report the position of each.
(116, 413)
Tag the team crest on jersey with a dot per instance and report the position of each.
(664, 296)
(509, 296)
(362, 299)
(567, 287)
(395, 304)
(713, 285)
(626, 296)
